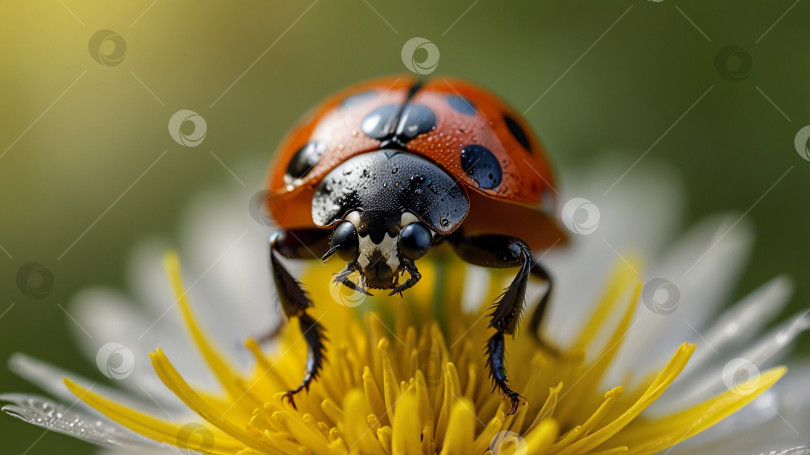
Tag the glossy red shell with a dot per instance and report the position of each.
(522, 204)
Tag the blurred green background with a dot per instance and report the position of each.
(614, 77)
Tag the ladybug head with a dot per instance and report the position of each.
(380, 246)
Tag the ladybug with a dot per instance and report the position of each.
(379, 174)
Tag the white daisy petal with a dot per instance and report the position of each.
(232, 273)
(703, 266)
(743, 321)
(112, 318)
(804, 450)
(775, 420)
(227, 278)
(747, 362)
(52, 416)
(735, 327)
(636, 217)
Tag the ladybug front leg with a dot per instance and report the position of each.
(294, 299)
(501, 251)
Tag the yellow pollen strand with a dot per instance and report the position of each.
(656, 435)
(373, 395)
(147, 425)
(540, 439)
(360, 436)
(390, 386)
(492, 428)
(459, 438)
(295, 425)
(623, 278)
(407, 428)
(216, 362)
(664, 379)
(547, 411)
(174, 382)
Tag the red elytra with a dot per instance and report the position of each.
(521, 205)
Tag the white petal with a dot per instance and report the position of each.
(225, 257)
(804, 450)
(704, 265)
(777, 420)
(734, 328)
(743, 321)
(49, 378)
(44, 413)
(110, 317)
(637, 217)
(719, 377)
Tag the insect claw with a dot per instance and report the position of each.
(515, 404)
(289, 397)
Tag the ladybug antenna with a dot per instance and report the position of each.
(329, 253)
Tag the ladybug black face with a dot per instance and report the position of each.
(380, 252)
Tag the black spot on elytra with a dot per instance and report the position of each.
(517, 132)
(482, 165)
(305, 159)
(461, 104)
(398, 124)
(357, 99)
(380, 122)
(416, 119)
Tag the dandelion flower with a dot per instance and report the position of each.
(639, 368)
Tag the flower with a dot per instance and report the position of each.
(640, 369)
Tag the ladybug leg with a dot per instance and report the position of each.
(294, 299)
(538, 271)
(414, 278)
(499, 251)
(343, 278)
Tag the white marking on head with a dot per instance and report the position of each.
(387, 246)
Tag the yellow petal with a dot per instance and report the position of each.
(407, 429)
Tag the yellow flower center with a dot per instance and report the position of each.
(408, 376)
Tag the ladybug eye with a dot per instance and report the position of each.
(414, 241)
(344, 242)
